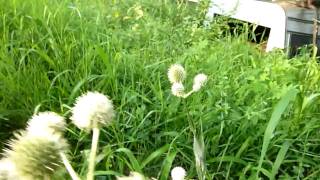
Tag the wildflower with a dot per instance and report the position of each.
(92, 110)
(199, 81)
(176, 73)
(46, 122)
(177, 89)
(178, 173)
(7, 169)
(139, 12)
(36, 157)
(132, 176)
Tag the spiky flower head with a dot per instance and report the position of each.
(46, 122)
(92, 110)
(36, 157)
(199, 81)
(7, 170)
(176, 73)
(133, 176)
(178, 173)
(177, 89)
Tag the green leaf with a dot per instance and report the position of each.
(307, 101)
(280, 157)
(274, 120)
(154, 155)
(167, 165)
(134, 162)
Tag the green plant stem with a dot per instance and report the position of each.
(92, 157)
(188, 94)
(68, 166)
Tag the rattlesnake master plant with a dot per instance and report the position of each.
(46, 122)
(178, 173)
(177, 89)
(36, 157)
(199, 81)
(8, 170)
(92, 110)
(176, 73)
(133, 176)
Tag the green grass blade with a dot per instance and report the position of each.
(280, 157)
(134, 162)
(275, 118)
(167, 165)
(155, 154)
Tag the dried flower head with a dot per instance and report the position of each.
(133, 176)
(36, 157)
(176, 73)
(177, 89)
(46, 122)
(199, 81)
(7, 170)
(178, 173)
(92, 110)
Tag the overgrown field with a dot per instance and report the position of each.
(259, 111)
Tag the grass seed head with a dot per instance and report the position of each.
(92, 110)
(176, 73)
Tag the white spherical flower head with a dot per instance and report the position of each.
(46, 122)
(199, 81)
(178, 173)
(176, 73)
(132, 176)
(177, 89)
(92, 110)
(36, 157)
(7, 169)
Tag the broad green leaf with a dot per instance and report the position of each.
(274, 120)
(154, 155)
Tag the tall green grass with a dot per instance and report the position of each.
(52, 51)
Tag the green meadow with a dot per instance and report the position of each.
(257, 116)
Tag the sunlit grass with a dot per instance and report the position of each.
(53, 51)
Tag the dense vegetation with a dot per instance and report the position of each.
(53, 51)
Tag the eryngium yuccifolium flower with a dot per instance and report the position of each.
(46, 122)
(176, 73)
(92, 110)
(177, 89)
(7, 170)
(133, 176)
(178, 173)
(199, 81)
(36, 157)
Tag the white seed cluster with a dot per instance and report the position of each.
(177, 74)
(92, 110)
(199, 81)
(34, 157)
(46, 123)
(178, 173)
(132, 176)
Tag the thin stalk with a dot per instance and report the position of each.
(93, 152)
(72, 173)
(188, 94)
